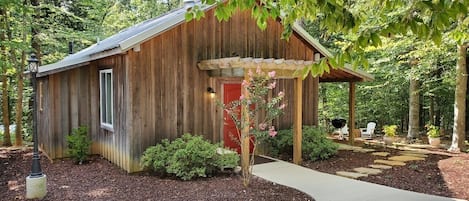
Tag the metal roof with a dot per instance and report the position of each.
(133, 36)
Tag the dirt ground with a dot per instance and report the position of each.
(441, 173)
(101, 180)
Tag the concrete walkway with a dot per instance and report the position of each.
(327, 187)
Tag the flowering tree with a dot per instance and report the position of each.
(254, 122)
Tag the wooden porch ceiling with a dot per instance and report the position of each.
(340, 75)
(234, 66)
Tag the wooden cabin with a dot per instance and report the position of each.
(149, 82)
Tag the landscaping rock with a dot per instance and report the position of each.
(380, 154)
(237, 170)
(392, 163)
(368, 171)
(351, 175)
(383, 167)
(406, 158)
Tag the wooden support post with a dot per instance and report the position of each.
(351, 112)
(244, 138)
(297, 120)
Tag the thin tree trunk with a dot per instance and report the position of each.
(4, 79)
(5, 112)
(459, 126)
(414, 109)
(19, 102)
(20, 85)
(324, 106)
(35, 31)
(467, 102)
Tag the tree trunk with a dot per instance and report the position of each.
(20, 83)
(35, 31)
(467, 102)
(414, 109)
(459, 126)
(4, 80)
(19, 102)
(431, 110)
(5, 112)
(326, 120)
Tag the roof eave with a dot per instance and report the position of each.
(70, 64)
(146, 35)
(324, 51)
(315, 43)
(359, 73)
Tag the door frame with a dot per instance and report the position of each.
(219, 86)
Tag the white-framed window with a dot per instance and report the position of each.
(106, 99)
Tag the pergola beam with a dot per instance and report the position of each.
(249, 62)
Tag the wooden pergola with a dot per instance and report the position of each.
(287, 69)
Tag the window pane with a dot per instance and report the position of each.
(103, 97)
(106, 97)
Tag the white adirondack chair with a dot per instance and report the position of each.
(343, 132)
(369, 131)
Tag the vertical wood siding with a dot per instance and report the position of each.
(160, 93)
(70, 99)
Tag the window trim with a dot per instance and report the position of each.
(106, 125)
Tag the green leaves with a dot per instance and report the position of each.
(194, 13)
(261, 15)
(187, 157)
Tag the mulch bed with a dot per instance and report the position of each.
(101, 180)
(442, 173)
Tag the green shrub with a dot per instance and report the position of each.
(187, 157)
(315, 144)
(79, 144)
(282, 143)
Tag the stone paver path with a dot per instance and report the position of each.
(377, 166)
(368, 171)
(363, 150)
(384, 154)
(416, 155)
(351, 175)
(380, 164)
(405, 158)
(391, 163)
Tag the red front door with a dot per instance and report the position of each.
(232, 92)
